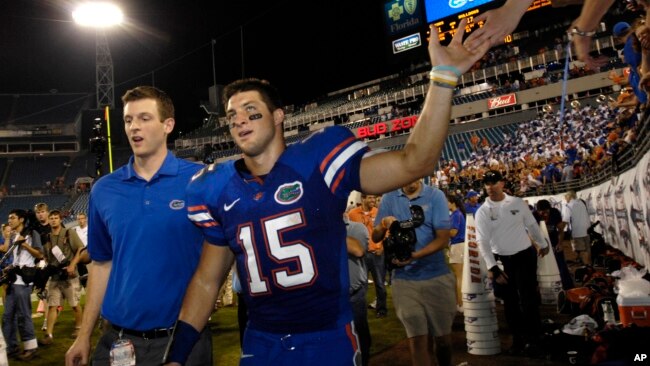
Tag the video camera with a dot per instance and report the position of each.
(401, 239)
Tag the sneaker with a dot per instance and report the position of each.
(381, 314)
(46, 341)
(373, 305)
(27, 355)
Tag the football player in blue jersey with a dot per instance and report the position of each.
(278, 211)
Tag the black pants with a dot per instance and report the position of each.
(520, 296)
(360, 317)
(242, 317)
(151, 351)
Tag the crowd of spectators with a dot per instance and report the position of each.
(548, 150)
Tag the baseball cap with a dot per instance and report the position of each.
(620, 29)
(492, 176)
(471, 194)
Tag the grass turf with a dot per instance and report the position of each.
(385, 332)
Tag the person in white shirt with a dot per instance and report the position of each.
(17, 316)
(503, 226)
(82, 233)
(575, 214)
(82, 229)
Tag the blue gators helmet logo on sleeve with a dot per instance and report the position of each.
(176, 204)
(288, 193)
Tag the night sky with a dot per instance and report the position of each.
(168, 44)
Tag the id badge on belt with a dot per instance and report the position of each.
(122, 352)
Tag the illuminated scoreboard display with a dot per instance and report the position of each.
(445, 19)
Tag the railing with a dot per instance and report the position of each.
(413, 92)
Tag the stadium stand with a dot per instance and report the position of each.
(41, 109)
(28, 173)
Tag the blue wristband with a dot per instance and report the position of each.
(447, 68)
(182, 341)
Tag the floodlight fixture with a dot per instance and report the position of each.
(98, 14)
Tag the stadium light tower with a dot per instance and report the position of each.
(101, 15)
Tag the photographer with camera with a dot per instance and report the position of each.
(42, 227)
(62, 251)
(18, 305)
(415, 219)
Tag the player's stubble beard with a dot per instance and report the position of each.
(257, 148)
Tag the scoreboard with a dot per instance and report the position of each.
(408, 21)
(446, 27)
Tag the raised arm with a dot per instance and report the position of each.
(387, 171)
(498, 24)
(584, 27)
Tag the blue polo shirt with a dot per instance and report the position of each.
(471, 209)
(436, 217)
(142, 227)
(457, 222)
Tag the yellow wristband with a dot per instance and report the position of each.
(443, 85)
(441, 76)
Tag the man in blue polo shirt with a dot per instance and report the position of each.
(424, 289)
(143, 248)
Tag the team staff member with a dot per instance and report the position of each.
(503, 224)
(144, 250)
(278, 211)
(423, 286)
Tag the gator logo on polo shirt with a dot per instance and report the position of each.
(177, 204)
(288, 193)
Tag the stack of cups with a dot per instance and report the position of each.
(480, 314)
(548, 273)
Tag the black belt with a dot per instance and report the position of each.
(146, 334)
(498, 256)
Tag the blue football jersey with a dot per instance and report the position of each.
(286, 230)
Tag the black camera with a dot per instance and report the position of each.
(401, 239)
(8, 275)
